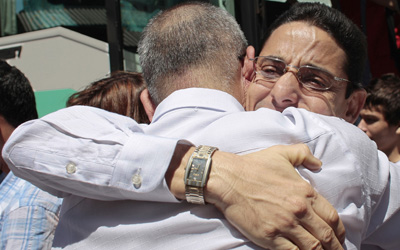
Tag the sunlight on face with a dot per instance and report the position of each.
(374, 124)
(298, 44)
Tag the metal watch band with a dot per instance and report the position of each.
(197, 172)
(194, 195)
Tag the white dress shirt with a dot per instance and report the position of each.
(93, 158)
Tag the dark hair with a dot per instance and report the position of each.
(118, 93)
(384, 94)
(17, 99)
(348, 36)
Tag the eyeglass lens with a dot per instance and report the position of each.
(309, 76)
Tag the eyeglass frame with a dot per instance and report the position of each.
(285, 70)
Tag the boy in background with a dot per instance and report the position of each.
(380, 117)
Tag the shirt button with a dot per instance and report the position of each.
(71, 168)
(137, 179)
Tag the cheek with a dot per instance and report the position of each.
(256, 97)
(336, 104)
(378, 138)
(373, 134)
(319, 103)
(320, 108)
(377, 130)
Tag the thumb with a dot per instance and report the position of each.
(299, 154)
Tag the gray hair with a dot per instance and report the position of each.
(187, 43)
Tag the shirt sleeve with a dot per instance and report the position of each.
(115, 161)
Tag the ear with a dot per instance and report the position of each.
(148, 104)
(355, 103)
(5, 130)
(248, 69)
(398, 129)
(3, 138)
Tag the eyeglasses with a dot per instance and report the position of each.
(271, 69)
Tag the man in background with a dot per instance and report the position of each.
(380, 117)
(28, 215)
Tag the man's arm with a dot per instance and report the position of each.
(100, 163)
(269, 203)
(91, 153)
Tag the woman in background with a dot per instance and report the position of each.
(118, 93)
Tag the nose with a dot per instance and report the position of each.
(362, 125)
(286, 91)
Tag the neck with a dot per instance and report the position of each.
(394, 154)
(236, 90)
(203, 77)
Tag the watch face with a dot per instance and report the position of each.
(197, 170)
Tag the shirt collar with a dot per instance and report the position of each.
(198, 98)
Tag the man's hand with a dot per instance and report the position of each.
(263, 196)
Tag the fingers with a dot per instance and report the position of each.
(318, 225)
(291, 234)
(263, 196)
(327, 213)
(321, 220)
(321, 235)
(282, 243)
(304, 240)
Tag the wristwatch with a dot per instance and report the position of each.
(196, 173)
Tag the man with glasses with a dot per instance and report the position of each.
(94, 169)
(310, 61)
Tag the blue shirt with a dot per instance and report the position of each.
(28, 215)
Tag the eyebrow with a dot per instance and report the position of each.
(276, 57)
(369, 116)
(307, 64)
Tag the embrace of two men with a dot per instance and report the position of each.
(128, 186)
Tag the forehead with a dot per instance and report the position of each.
(299, 43)
(372, 114)
(373, 110)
